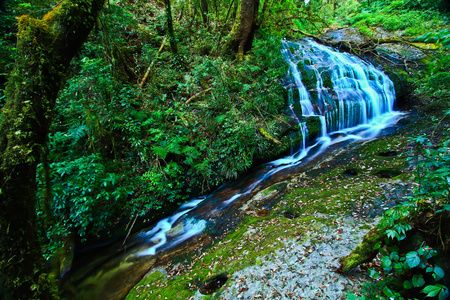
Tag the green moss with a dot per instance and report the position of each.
(314, 127)
(364, 252)
(327, 80)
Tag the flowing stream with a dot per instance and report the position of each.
(335, 97)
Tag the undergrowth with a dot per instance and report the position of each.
(119, 151)
(412, 254)
(407, 18)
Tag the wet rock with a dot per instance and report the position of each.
(175, 231)
(345, 36)
(400, 53)
(397, 58)
(213, 284)
(335, 135)
(302, 270)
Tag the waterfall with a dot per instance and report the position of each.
(335, 97)
(341, 90)
(343, 95)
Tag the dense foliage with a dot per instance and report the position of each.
(118, 150)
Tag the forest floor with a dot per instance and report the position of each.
(291, 249)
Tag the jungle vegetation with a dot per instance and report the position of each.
(162, 101)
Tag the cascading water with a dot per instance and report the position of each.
(343, 90)
(346, 97)
(335, 96)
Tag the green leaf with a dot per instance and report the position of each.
(418, 280)
(438, 273)
(386, 262)
(394, 256)
(444, 293)
(433, 290)
(388, 292)
(373, 273)
(246, 87)
(160, 151)
(377, 245)
(412, 259)
(220, 119)
(399, 267)
(407, 284)
(391, 233)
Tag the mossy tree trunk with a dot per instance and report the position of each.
(173, 44)
(204, 10)
(242, 33)
(45, 49)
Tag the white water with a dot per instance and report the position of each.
(158, 234)
(357, 106)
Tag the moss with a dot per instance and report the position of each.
(364, 252)
(237, 250)
(327, 80)
(314, 126)
(273, 188)
(268, 136)
(296, 106)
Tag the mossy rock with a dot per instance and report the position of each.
(364, 252)
(314, 127)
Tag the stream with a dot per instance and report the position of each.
(335, 97)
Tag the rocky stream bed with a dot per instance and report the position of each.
(289, 243)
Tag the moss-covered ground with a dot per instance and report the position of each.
(346, 182)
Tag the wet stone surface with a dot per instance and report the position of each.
(276, 257)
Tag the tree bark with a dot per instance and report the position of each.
(173, 44)
(45, 49)
(243, 40)
(204, 10)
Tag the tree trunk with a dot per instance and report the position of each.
(204, 10)
(173, 44)
(247, 26)
(45, 49)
